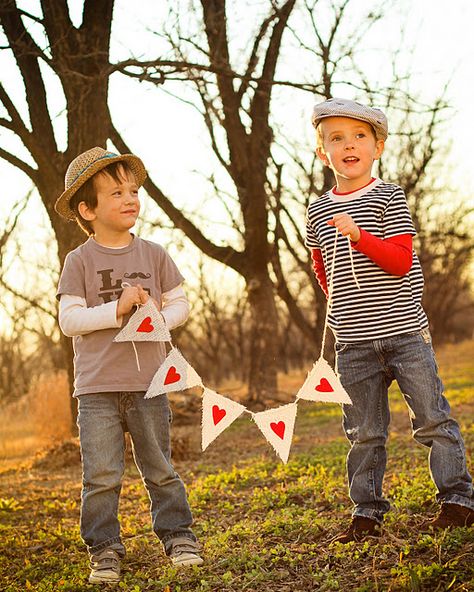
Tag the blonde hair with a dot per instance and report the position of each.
(319, 137)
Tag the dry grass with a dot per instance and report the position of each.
(40, 418)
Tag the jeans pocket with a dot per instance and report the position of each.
(341, 347)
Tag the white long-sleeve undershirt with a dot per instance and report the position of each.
(76, 318)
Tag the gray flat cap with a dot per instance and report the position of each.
(346, 108)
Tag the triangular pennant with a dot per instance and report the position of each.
(322, 384)
(175, 374)
(146, 324)
(277, 426)
(218, 413)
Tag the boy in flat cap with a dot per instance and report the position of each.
(380, 327)
(101, 195)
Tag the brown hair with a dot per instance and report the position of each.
(87, 193)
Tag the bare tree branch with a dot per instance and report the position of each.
(226, 255)
(23, 166)
(159, 71)
(16, 123)
(254, 56)
(26, 53)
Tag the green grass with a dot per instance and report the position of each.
(264, 526)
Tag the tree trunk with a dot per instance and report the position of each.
(262, 382)
(80, 58)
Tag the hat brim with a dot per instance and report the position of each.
(62, 205)
(380, 132)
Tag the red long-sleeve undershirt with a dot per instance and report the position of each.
(394, 255)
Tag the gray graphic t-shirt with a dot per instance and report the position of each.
(96, 273)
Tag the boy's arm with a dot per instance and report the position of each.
(76, 318)
(319, 271)
(394, 255)
(175, 307)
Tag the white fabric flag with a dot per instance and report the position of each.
(277, 426)
(175, 374)
(322, 384)
(218, 413)
(146, 324)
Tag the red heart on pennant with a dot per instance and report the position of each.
(145, 326)
(218, 414)
(172, 375)
(324, 386)
(278, 428)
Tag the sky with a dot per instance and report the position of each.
(163, 132)
(442, 39)
(171, 140)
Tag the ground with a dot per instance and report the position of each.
(264, 526)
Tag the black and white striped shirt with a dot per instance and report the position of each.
(385, 304)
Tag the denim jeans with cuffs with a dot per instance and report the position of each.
(103, 419)
(366, 371)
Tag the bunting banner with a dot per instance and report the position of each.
(218, 413)
(322, 384)
(175, 374)
(146, 324)
(277, 426)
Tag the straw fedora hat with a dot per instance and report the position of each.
(87, 164)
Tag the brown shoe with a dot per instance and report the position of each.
(450, 516)
(359, 528)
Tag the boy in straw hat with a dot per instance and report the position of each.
(380, 327)
(101, 195)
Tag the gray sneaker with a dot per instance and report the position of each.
(184, 551)
(105, 567)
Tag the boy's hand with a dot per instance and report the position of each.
(346, 225)
(131, 296)
(143, 295)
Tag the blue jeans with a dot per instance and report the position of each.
(366, 371)
(103, 419)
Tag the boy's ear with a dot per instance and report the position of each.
(322, 156)
(86, 212)
(379, 148)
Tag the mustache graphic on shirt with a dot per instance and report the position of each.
(137, 274)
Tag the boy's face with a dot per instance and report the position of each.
(118, 205)
(349, 150)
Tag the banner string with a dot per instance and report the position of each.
(252, 414)
(352, 262)
(330, 290)
(331, 286)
